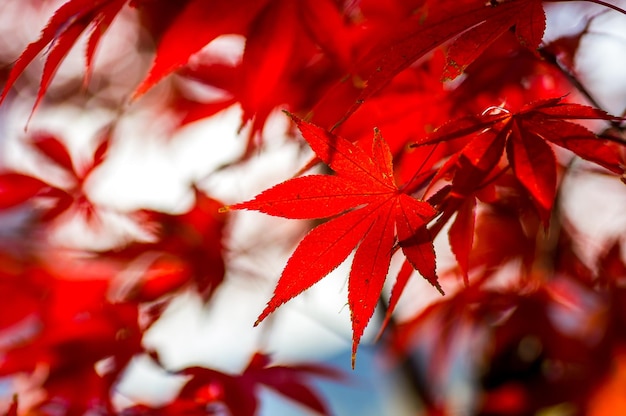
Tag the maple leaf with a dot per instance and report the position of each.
(506, 71)
(311, 49)
(61, 33)
(268, 76)
(526, 135)
(238, 391)
(395, 110)
(188, 249)
(72, 327)
(16, 188)
(368, 211)
(210, 390)
(471, 25)
(74, 195)
(532, 338)
(225, 77)
(506, 223)
(194, 27)
(438, 328)
(526, 16)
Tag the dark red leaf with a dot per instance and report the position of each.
(207, 388)
(525, 134)
(461, 235)
(438, 22)
(13, 408)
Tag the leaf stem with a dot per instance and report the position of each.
(410, 366)
(552, 59)
(599, 2)
(608, 5)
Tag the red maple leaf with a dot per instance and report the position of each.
(72, 327)
(74, 196)
(368, 210)
(210, 391)
(17, 188)
(311, 47)
(506, 71)
(527, 136)
(195, 26)
(472, 25)
(187, 250)
(238, 391)
(499, 211)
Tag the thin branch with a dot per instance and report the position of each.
(599, 2)
(552, 59)
(410, 367)
(605, 4)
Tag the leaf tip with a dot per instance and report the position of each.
(137, 93)
(356, 339)
(292, 116)
(440, 290)
(383, 326)
(271, 306)
(146, 84)
(261, 317)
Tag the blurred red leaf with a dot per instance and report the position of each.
(13, 409)
(16, 188)
(193, 28)
(64, 197)
(474, 23)
(68, 326)
(53, 149)
(565, 48)
(238, 392)
(211, 391)
(187, 249)
(61, 33)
